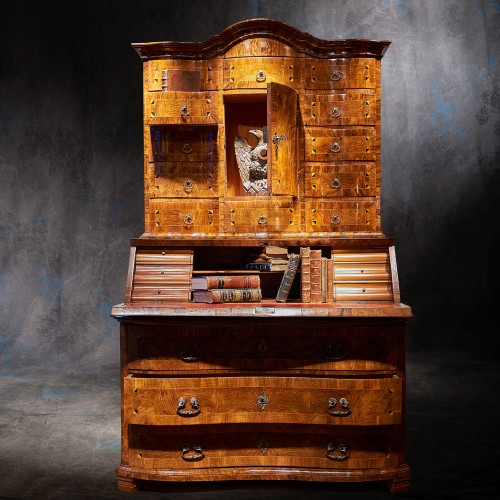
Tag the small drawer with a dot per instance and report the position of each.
(367, 290)
(183, 76)
(335, 144)
(211, 400)
(341, 74)
(261, 217)
(361, 255)
(183, 144)
(183, 108)
(348, 271)
(182, 217)
(184, 180)
(340, 180)
(347, 108)
(161, 292)
(250, 445)
(328, 216)
(257, 72)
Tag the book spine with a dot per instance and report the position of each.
(258, 266)
(236, 295)
(315, 275)
(251, 281)
(324, 276)
(330, 291)
(305, 274)
(288, 277)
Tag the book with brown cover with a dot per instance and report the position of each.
(324, 276)
(315, 275)
(220, 295)
(288, 277)
(229, 281)
(330, 291)
(305, 274)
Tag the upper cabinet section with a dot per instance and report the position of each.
(262, 129)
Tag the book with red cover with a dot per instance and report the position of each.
(229, 281)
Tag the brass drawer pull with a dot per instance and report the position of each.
(193, 457)
(332, 455)
(335, 112)
(335, 219)
(187, 149)
(344, 404)
(260, 76)
(188, 185)
(262, 219)
(188, 220)
(181, 405)
(189, 354)
(335, 77)
(335, 183)
(184, 110)
(334, 352)
(335, 148)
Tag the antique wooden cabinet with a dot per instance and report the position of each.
(262, 137)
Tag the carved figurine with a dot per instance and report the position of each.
(252, 163)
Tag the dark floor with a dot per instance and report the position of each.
(59, 438)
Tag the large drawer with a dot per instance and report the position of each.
(217, 400)
(184, 217)
(335, 144)
(256, 216)
(325, 447)
(184, 180)
(257, 72)
(175, 349)
(182, 108)
(343, 108)
(332, 74)
(330, 216)
(340, 179)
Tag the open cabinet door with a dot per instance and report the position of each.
(282, 140)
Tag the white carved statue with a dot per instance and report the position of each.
(252, 163)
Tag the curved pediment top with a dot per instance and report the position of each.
(299, 41)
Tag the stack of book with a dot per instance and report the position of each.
(270, 258)
(316, 276)
(226, 288)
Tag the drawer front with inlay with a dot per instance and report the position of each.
(341, 74)
(346, 108)
(193, 447)
(335, 144)
(340, 179)
(184, 180)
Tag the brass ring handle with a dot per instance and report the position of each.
(181, 405)
(189, 354)
(186, 149)
(335, 183)
(344, 404)
(193, 457)
(335, 76)
(335, 148)
(334, 352)
(188, 220)
(335, 112)
(188, 185)
(184, 110)
(260, 76)
(332, 455)
(335, 219)
(262, 219)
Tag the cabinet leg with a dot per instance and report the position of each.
(127, 484)
(399, 484)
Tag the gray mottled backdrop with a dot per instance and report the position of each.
(71, 150)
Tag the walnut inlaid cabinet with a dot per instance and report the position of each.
(306, 389)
